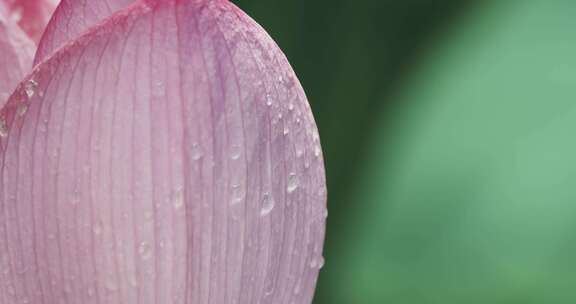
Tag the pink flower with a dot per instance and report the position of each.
(160, 151)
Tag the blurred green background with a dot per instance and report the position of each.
(449, 132)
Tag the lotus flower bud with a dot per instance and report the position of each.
(166, 155)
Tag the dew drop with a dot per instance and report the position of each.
(267, 204)
(292, 183)
(178, 199)
(299, 151)
(235, 152)
(111, 285)
(97, 229)
(67, 287)
(22, 108)
(158, 89)
(286, 130)
(75, 199)
(145, 250)
(317, 262)
(237, 194)
(269, 100)
(291, 106)
(22, 270)
(196, 152)
(148, 215)
(30, 88)
(290, 81)
(11, 290)
(298, 288)
(3, 127)
(317, 151)
(133, 281)
(321, 262)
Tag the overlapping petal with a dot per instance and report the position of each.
(16, 52)
(169, 155)
(31, 15)
(72, 18)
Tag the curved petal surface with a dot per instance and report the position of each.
(72, 18)
(167, 156)
(16, 51)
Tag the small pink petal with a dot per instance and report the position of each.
(31, 15)
(169, 155)
(72, 18)
(16, 51)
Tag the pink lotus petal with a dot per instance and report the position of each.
(72, 18)
(167, 156)
(31, 15)
(16, 51)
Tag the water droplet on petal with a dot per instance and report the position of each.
(111, 285)
(145, 250)
(237, 194)
(292, 183)
(3, 127)
(235, 152)
(11, 290)
(299, 151)
(196, 152)
(317, 150)
(133, 281)
(30, 88)
(267, 204)
(317, 262)
(178, 199)
(75, 199)
(97, 229)
(290, 81)
(158, 89)
(298, 288)
(22, 108)
(268, 100)
(148, 215)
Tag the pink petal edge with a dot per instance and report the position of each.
(169, 155)
(71, 19)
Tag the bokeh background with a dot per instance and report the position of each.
(449, 133)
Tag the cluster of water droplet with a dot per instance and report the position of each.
(29, 89)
